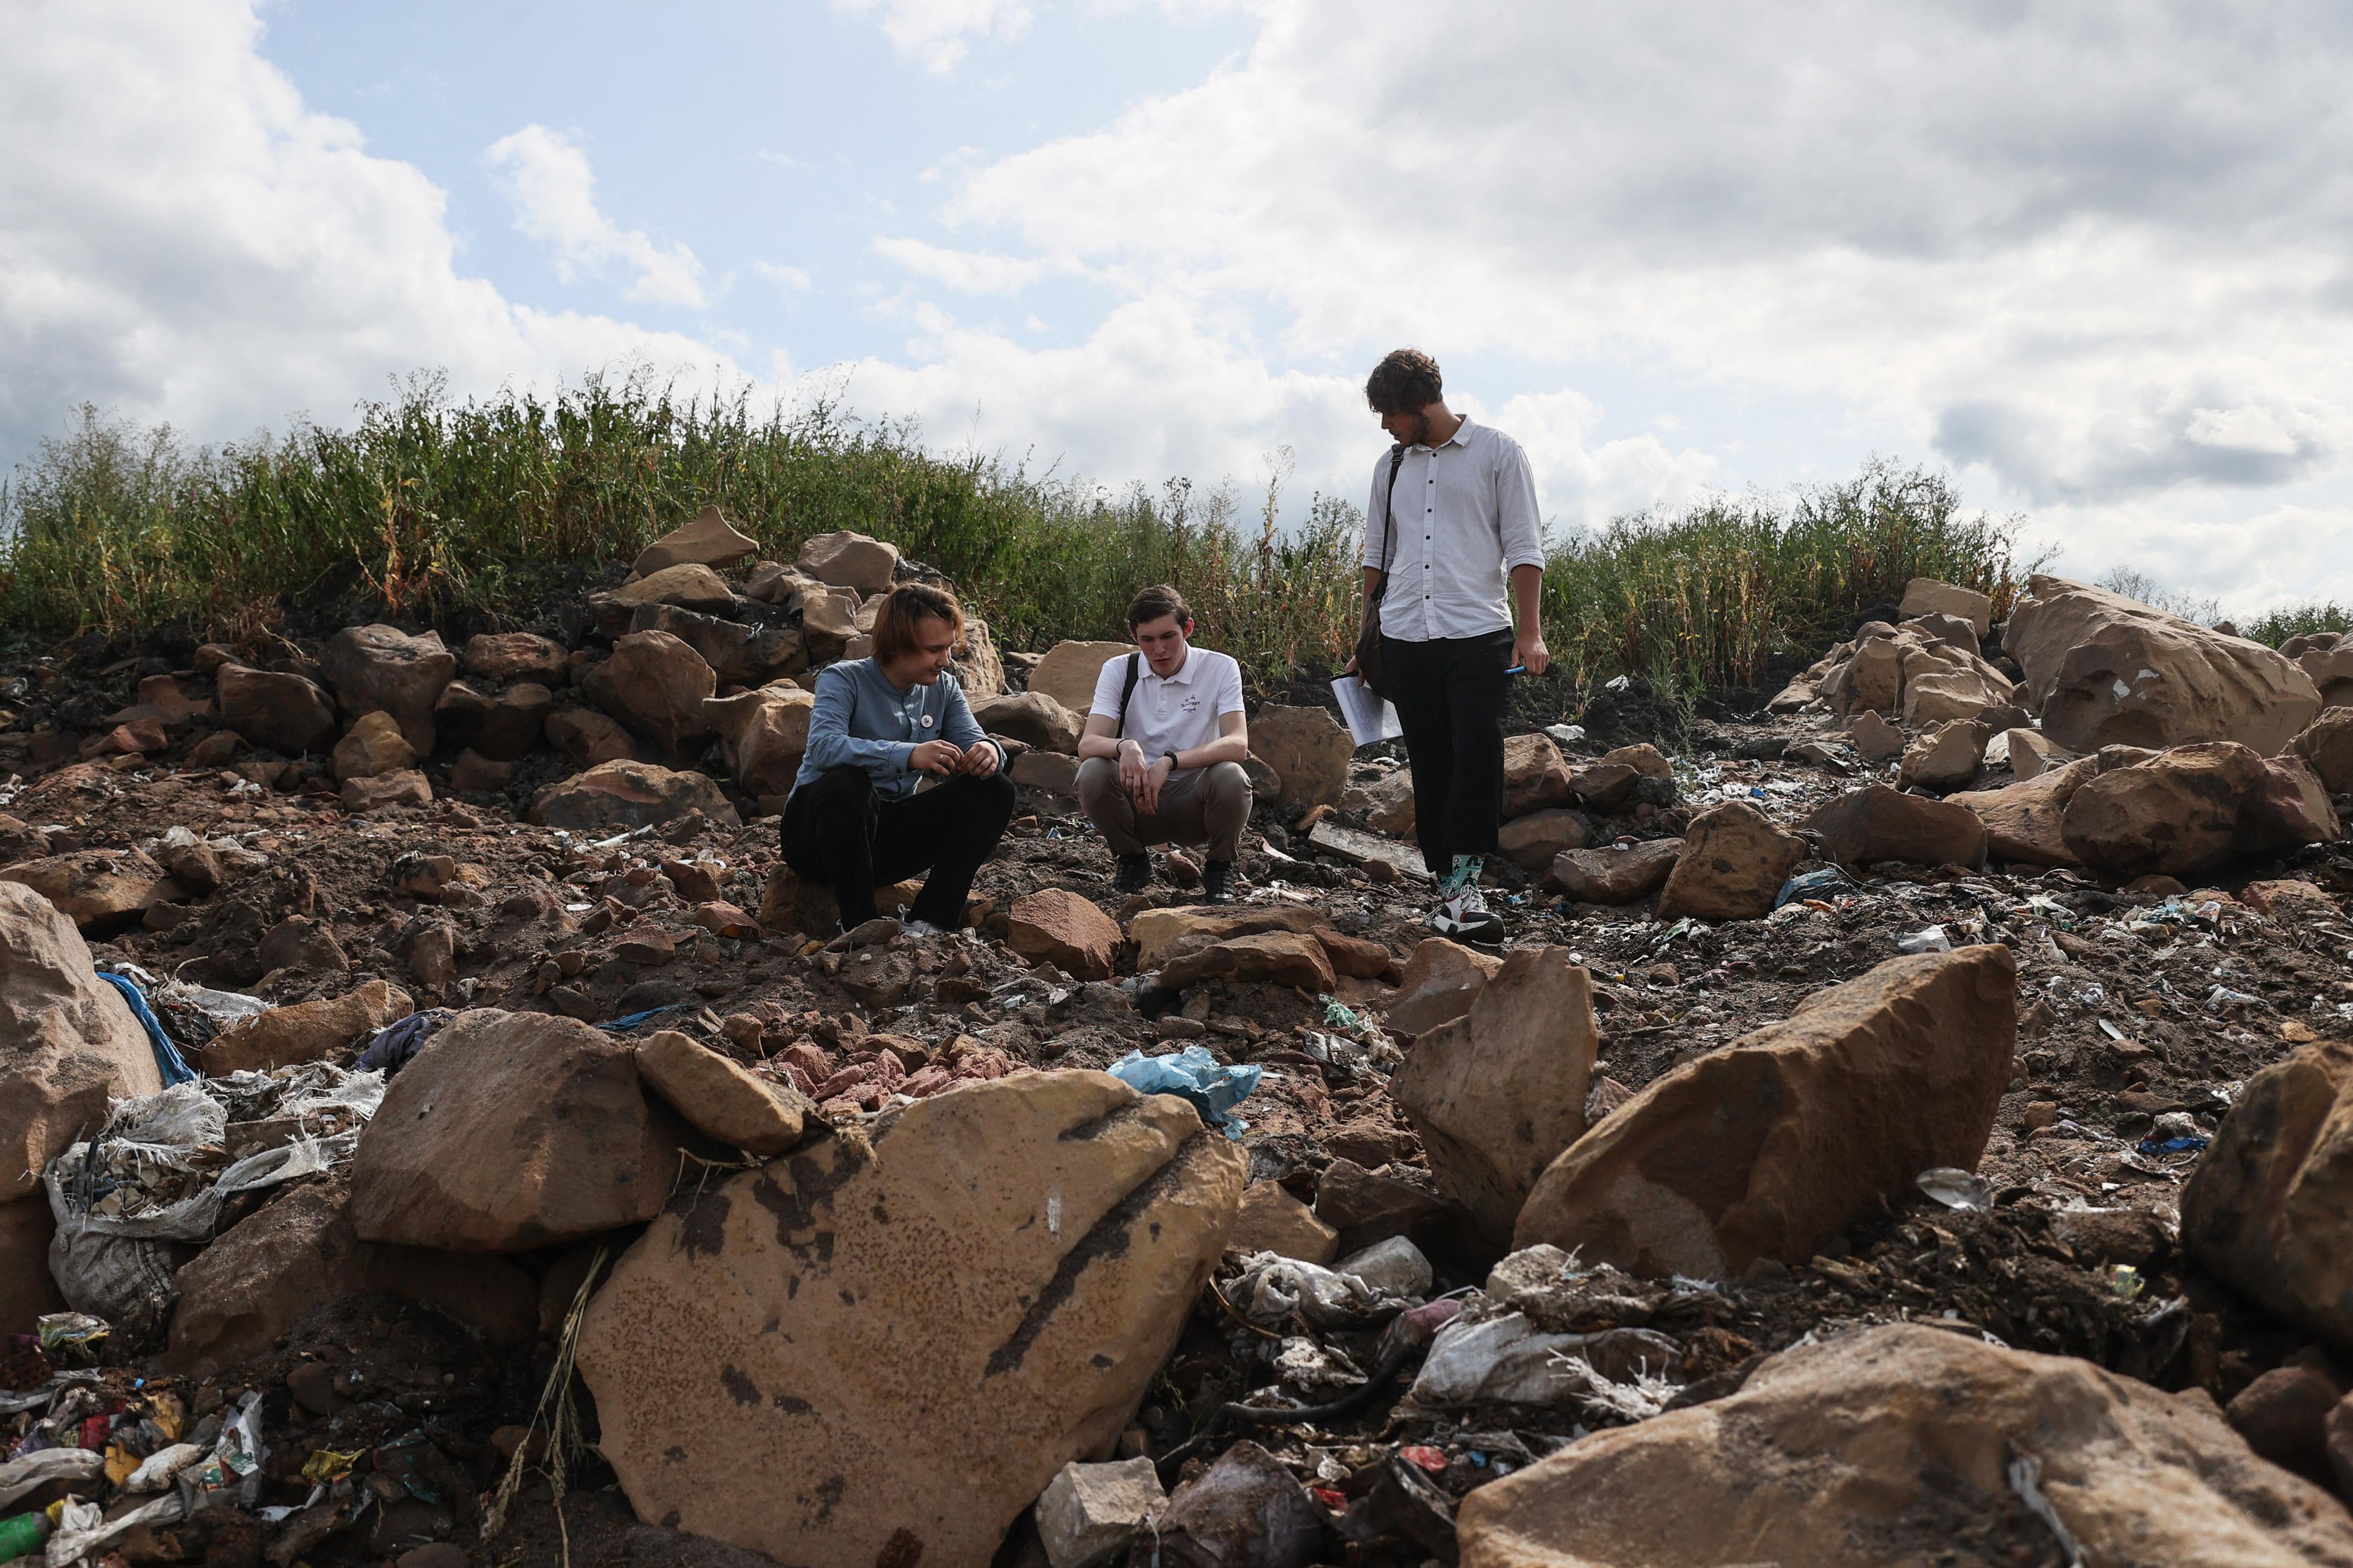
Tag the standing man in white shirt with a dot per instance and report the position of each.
(1161, 760)
(1453, 511)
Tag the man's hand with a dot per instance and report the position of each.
(1133, 770)
(1149, 801)
(934, 757)
(1528, 648)
(980, 761)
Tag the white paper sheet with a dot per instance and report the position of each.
(1370, 718)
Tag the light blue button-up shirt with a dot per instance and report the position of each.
(863, 718)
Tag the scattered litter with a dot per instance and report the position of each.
(1820, 884)
(167, 1055)
(1956, 1188)
(1193, 1074)
(1931, 939)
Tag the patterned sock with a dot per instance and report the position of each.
(1466, 874)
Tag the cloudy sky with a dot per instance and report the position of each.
(2092, 257)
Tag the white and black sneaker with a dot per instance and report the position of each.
(1464, 917)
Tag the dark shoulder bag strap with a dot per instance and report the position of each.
(1126, 691)
(1389, 519)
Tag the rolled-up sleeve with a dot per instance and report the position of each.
(1517, 519)
(831, 742)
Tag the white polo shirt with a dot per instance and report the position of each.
(1466, 514)
(1176, 714)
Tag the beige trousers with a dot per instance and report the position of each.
(1201, 806)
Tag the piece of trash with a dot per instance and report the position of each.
(1194, 1075)
(2222, 996)
(69, 1330)
(2185, 1144)
(1929, 939)
(2124, 1280)
(1814, 885)
(167, 1055)
(391, 1048)
(1956, 1188)
(1338, 1015)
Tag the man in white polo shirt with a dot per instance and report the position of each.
(1161, 762)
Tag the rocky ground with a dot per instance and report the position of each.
(1836, 1057)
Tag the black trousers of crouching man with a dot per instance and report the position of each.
(838, 831)
(1451, 697)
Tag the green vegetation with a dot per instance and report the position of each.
(427, 506)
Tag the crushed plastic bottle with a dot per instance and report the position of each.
(1929, 939)
(1956, 1188)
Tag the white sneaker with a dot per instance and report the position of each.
(921, 928)
(1466, 918)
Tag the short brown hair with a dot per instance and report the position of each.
(1405, 382)
(1156, 601)
(905, 606)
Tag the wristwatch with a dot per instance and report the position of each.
(1172, 761)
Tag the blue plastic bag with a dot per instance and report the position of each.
(1820, 884)
(1194, 1075)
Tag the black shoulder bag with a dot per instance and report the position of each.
(1126, 691)
(1369, 668)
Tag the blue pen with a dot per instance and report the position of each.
(1517, 670)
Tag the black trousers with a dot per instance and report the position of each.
(1451, 696)
(838, 831)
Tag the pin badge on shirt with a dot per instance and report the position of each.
(927, 721)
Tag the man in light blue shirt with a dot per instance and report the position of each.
(898, 777)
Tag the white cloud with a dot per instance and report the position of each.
(180, 238)
(966, 271)
(792, 279)
(546, 177)
(939, 32)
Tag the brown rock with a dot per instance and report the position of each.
(2103, 669)
(276, 711)
(511, 1132)
(1840, 1455)
(1876, 823)
(1157, 931)
(1273, 958)
(27, 1288)
(2283, 1416)
(474, 774)
(1534, 775)
(690, 587)
(136, 738)
(656, 686)
(2024, 822)
(298, 942)
(961, 1328)
(305, 1031)
(763, 735)
(739, 653)
(1613, 875)
(1392, 804)
(1068, 673)
(1603, 787)
(2031, 754)
(613, 796)
(1057, 926)
(1772, 1145)
(589, 738)
(1499, 1093)
(68, 1044)
(2288, 809)
(518, 655)
(1875, 739)
(2328, 745)
(503, 727)
(1540, 837)
(1946, 757)
(1369, 1206)
(1033, 718)
(1734, 863)
(709, 540)
(1308, 749)
(722, 1101)
(372, 747)
(103, 892)
(1271, 1220)
(1927, 596)
(1441, 980)
(2287, 899)
(648, 946)
(1049, 771)
(1359, 957)
(407, 787)
(252, 1284)
(381, 668)
(848, 560)
(978, 669)
(2177, 814)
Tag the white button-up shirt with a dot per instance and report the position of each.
(1466, 514)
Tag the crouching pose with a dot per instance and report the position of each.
(1161, 760)
(898, 777)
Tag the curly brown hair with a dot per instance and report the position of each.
(1405, 382)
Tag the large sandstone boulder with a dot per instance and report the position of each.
(103, 892)
(978, 669)
(304, 1032)
(739, 653)
(1442, 981)
(517, 656)
(67, 1041)
(720, 1099)
(762, 734)
(1535, 778)
(28, 1290)
(1876, 823)
(1946, 757)
(1927, 596)
(511, 1132)
(848, 560)
(1068, 673)
(1308, 749)
(709, 540)
(1892, 1446)
(1157, 933)
(384, 669)
(1905, 670)
(656, 686)
(2287, 809)
(2176, 814)
(2264, 1210)
(1270, 957)
(2025, 822)
(1498, 1093)
(1536, 840)
(2328, 745)
(1732, 866)
(1060, 927)
(1613, 875)
(2326, 658)
(275, 711)
(502, 726)
(247, 1289)
(2103, 669)
(882, 1355)
(588, 739)
(1033, 718)
(1772, 1145)
(373, 747)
